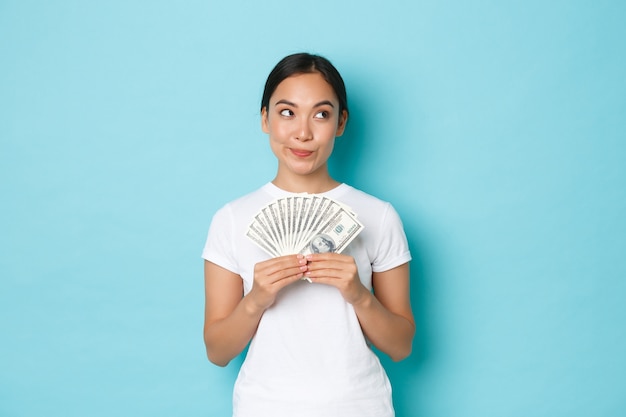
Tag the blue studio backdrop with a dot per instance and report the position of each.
(496, 128)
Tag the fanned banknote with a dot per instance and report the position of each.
(304, 223)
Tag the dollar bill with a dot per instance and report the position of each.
(304, 223)
(340, 229)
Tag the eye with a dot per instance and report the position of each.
(286, 113)
(322, 114)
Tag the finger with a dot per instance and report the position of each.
(274, 265)
(319, 265)
(330, 273)
(289, 273)
(333, 282)
(328, 256)
(289, 280)
(284, 271)
(347, 267)
(289, 261)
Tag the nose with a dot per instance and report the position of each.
(304, 131)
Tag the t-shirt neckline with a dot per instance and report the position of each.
(278, 192)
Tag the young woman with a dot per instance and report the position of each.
(309, 353)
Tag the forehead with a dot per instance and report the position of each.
(304, 88)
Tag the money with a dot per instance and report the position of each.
(303, 224)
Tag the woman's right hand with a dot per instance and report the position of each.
(273, 275)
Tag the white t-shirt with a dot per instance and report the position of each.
(309, 357)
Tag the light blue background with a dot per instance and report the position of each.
(496, 128)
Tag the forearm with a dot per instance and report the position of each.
(226, 338)
(391, 333)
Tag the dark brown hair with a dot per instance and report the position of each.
(304, 63)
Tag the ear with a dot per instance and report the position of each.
(341, 126)
(265, 124)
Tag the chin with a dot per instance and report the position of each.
(302, 173)
(302, 170)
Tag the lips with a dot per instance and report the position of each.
(301, 153)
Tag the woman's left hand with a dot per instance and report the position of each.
(337, 270)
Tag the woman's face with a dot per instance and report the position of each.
(302, 121)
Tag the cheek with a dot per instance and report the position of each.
(279, 132)
(328, 131)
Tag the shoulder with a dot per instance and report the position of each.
(360, 201)
(352, 193)
(375, 213)
(246, 205)
(383, 235)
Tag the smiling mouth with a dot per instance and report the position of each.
(301, 153)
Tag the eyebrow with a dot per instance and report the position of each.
(321, 103)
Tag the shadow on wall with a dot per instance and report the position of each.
(349, 164)
(345, 163)
(405, 375)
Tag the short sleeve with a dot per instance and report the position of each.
(219, 243)
(393, 248)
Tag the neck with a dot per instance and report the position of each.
(305, 184)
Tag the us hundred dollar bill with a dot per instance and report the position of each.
(337, 233)
(303, 223)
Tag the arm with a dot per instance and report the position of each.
(230, 319)
(229, 322)
(385, 316)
